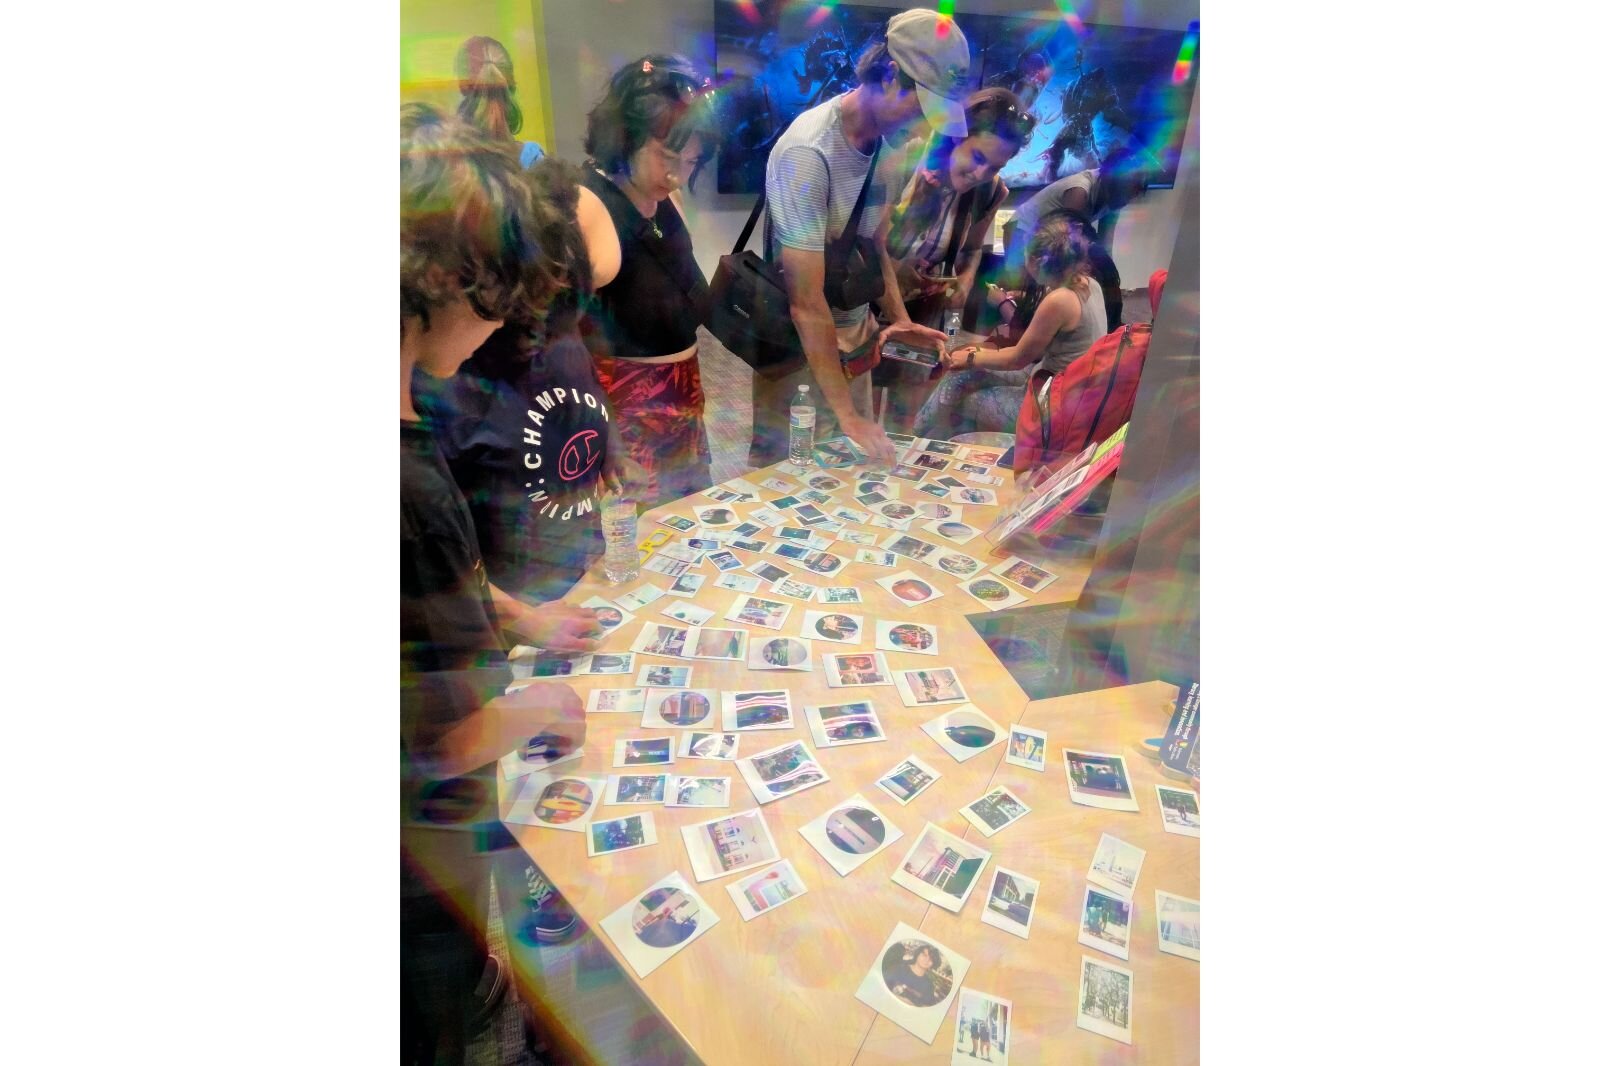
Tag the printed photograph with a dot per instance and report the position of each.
(640, 598)
(766, 889)
(711, 746)
(1105, 922)
(657, 639)
(1096, 779)
(703, 544)
(981, 497)
(874, 557)
(608, 614)
(916, 972)
(956, 564)
(938, 492)
(769, 572)
(991, 593)
(922, 688)
(686, 585)
(1116, 865)
(900, 512)
(907, 473)
(620, 834)
(797, 589)
(908, 636)
(841, 628)
(808, 513)
(641, 788)
(780, 653)
(801, 536)
(1025, 575)
(912, 590)
(845, 594)
(854, 830)
(845, 723)
(794, 551)
(850, 514)
(665, 676)
(911, 547)
(1011, 903)
(941, 447)
(1026, 748)
(1180, 810)
(688, 613)
(845, 671)
(1105, 1000)
(781, 771)
(664, 917)
(908, 780)
(941, 868)
(994, 811)
(724, 845)
(824, 482)
(963, 732)
(820, 562)
(1178, 925)
(971, 468)
(667, 566)
(616, 701)
(723, 560)
(764, 613)
(682, 525)
(712, 517)
(983, 1029)
(756, 710)
(646, 752)
(564, 800)
(937, 510)
(681, 708)
(778, 484)
(718, 644)
(930, 462)
(699, 792)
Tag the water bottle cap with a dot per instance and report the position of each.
(805, 388)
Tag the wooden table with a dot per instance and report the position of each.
(781, 988)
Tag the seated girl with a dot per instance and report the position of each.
(984, 394)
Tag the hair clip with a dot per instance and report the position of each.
(645, 67)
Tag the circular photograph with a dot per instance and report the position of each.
(987, 588)
(685, 708)
(917, 973)
(954, 530)
(664, 917)
(938, 510)
(897, 510)
(911, 589)
(608, 617)
(824, 483)
(865, 487)
(716, 516)
(837, 626)
(563, 801)
(909, 635)
(972, 496)
(855, 830)
(968, 730)
(958, 564)
(784, 652)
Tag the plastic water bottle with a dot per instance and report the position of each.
(802, 427)
(619, 521)
(952, 322)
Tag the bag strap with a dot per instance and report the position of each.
(958, 230)
(849, 234)
(750, 224)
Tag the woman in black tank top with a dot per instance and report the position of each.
(649, 133)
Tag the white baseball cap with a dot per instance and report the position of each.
(931, 50)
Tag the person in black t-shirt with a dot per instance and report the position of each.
(467, 263)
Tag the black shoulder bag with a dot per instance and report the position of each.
(750, 302)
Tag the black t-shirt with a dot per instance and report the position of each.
(451, 658)
(525, 438)
(659, 296)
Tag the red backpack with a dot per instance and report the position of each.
(1090, 399)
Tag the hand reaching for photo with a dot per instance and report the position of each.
(548, 710)
(556, 626)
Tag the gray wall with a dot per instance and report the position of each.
(587, 39)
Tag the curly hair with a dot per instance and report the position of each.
(483, 69)
(469, 224)
(658, 96)
(1058, 252)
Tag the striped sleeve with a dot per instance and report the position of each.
(797, 198)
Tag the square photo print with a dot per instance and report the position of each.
(698, 791)
(856, 669)
(732, 843)
(1180, 810)
(927, 688)
(912, 637)
(941, 868)
(1026, 748)
(983, 1030)
(850, 834)
(913, 981)
(1178, 925)
(995, 810)
(781, 771)
(1013, 898)
(908, 779)
(764, 709)
(658, 923)
(621, 834)
(723, 747)
(1097, 779)
(841, 724)
(766, 889)
(779, 653)
(964, 732)
(1105, 922)
(1105, 999)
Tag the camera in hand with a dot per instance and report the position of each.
(910, 353)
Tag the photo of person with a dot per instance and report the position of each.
(859, 670)
(1025, 575)
(1026, 749)
(983, 1029)
(1105, 922)
(916, 972)
(1180, 810)
(930, 462)
(1105, 999)
(909, 635)
(664, 917)
(608, 617)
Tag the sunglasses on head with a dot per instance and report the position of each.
(674, 82)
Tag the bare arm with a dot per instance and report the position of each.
(1060, 310)
(504, 724)
(599, 238)
(555, 625)
(803, 272)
